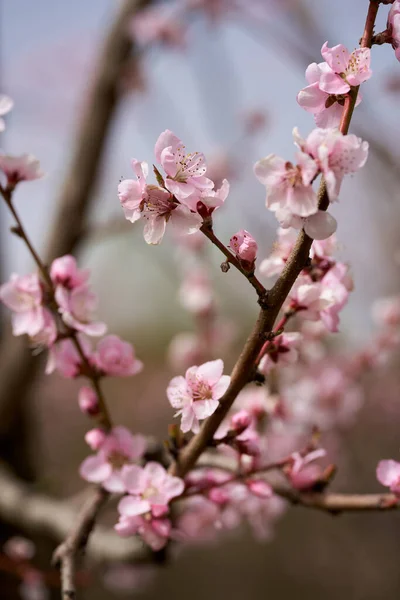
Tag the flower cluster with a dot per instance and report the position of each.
(182, 197)
(59, 316)
(330, 81)
(290, 194)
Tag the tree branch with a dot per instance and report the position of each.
(40, 514)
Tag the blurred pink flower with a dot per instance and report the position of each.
(155, 532)
(282, 349)
(303, 473)
(20, 168)
(151, 25)
(119, 448)
(64, 271)
(6, 105)
(76, 307)
(388, 474)
(150, 489)
(24, 296)
(196, 396)
(65, 358)
(393, 25)
(117, 358)
(88, 401)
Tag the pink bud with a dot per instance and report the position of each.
(218, 495)
(88, 402)
(259, 488)
(161, 526)
(95, 438)
(241, 420)
(244, 246)
(19, 548)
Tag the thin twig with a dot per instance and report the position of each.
(66, 554)
(208, 231)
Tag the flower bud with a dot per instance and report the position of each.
(88, 402)
(95, 438)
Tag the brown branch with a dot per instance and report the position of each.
(41, 514)
(244, 368)
(338, 503)
(67, 553)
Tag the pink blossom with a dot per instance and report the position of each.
(88, 401)
(151, 25)
(318, 226)
(196, 396)
(64, 271)
(119, 448)
(33, 586)
(335, 154)
(274, 264)
(185, 172)
(289, 186)
(244, 246)
(303, 473)
(327, 106)
(95, 438)
(76, 307)
(346, 69)
(259, 488)
(388, 473)
(24, 296)
(6, 105)
(150, 489)
(65, 358)
(386, 311)
(117, 358)
(307, 297)
(393, 26)
(196, 294)
(20, 168)
(19, 548)
(155, 205)
(154, 531)
(254, 121)
(282, 349)
(210, 199)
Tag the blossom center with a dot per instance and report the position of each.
(201, 390)
(117, 460)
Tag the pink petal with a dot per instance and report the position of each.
(95, 469)
(132, 507)
(211, 371)
(221, 386)
(320, 226)
(154, 230)
(134, 478)
(388, 472)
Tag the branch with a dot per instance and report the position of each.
(43, 515)
(338, 503)
(67, 553)
(244, 367)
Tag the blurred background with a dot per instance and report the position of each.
(224, 77)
